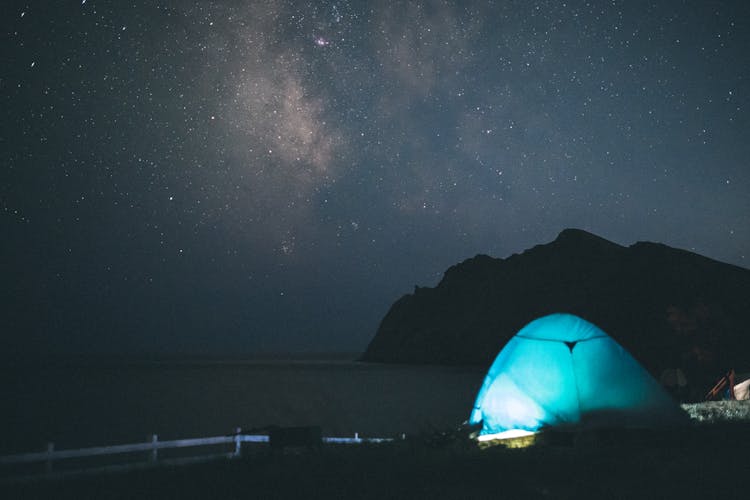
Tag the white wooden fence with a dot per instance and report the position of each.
(151, 448)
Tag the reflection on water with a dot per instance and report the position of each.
(77, 406)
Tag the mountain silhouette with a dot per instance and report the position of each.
(669, 308)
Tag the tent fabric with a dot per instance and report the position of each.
(742, 390)
(561, 370)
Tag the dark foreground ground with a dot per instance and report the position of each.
(706, 461)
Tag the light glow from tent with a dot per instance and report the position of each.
(506, 406)
(561, 370)
(512, 433)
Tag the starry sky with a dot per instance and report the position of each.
(229, 178)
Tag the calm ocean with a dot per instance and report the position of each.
(86, 405)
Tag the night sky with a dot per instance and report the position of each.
(231, 178)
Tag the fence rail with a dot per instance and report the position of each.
(153, 445)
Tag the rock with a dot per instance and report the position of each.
(670, 308)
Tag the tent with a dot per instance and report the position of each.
(561, 370)
(742, 390)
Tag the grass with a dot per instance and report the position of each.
(704, 461)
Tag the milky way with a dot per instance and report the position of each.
(214, 178)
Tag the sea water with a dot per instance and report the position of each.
(80, 405)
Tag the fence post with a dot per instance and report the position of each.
(237, 442)
(48, 463)
(154, 455)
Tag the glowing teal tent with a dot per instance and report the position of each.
(561, 370)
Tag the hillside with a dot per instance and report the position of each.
(668, 307)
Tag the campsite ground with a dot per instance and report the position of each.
(704, 461)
